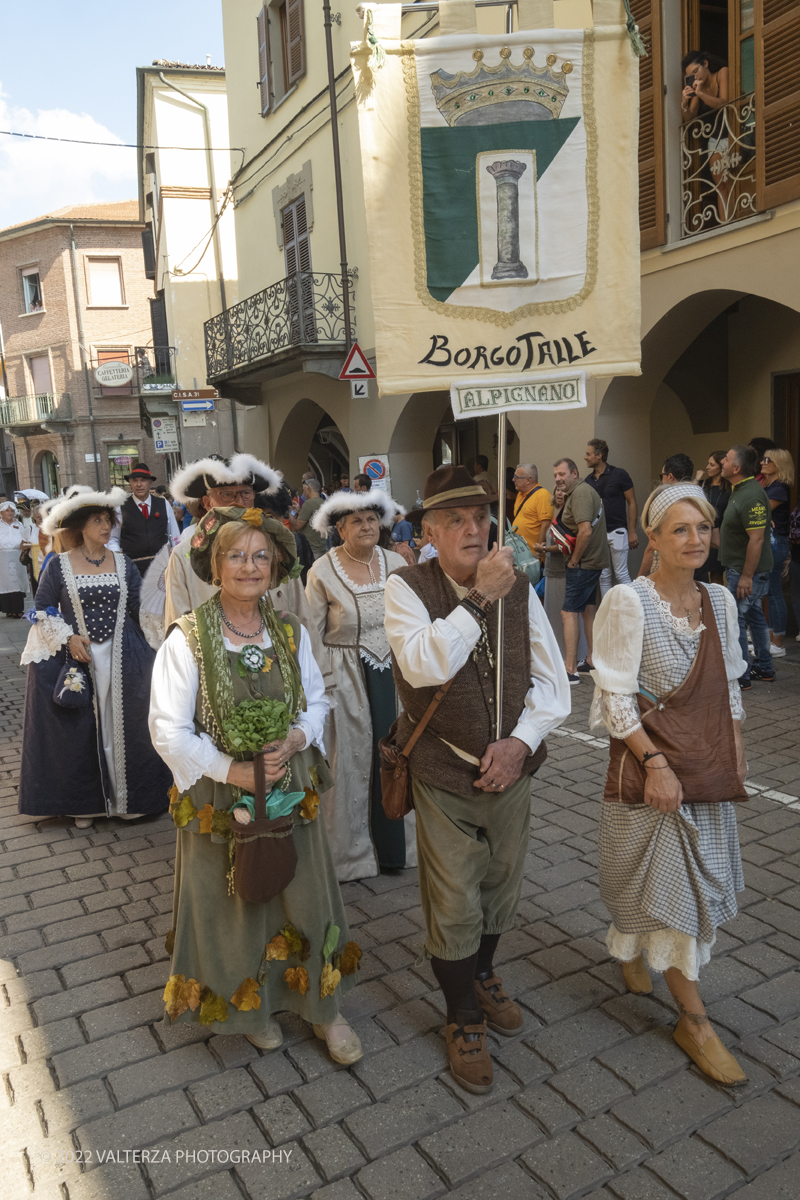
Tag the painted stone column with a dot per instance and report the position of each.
(507, 176)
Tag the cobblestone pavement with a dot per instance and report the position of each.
(593, 1098)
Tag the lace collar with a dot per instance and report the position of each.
(678, 624)
(360, 588)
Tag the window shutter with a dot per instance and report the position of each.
(777, 46)
(262, 27)
(300, 285)
(652, 222)
(295, 42)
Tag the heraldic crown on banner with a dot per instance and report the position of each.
(513, 93)
(501, 187)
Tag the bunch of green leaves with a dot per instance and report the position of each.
(253, 724)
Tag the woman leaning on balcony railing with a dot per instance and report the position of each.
(705, 95)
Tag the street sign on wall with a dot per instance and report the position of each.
(165, 435)
(376, 466)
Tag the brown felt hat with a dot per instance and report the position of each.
(451, 487)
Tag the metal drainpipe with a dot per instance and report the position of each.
(82, 343)
(337, 172)
(212, 183)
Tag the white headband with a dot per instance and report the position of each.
(671, 495)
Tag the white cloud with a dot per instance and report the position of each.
(37, 177)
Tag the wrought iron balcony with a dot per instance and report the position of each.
(303, 310)
(24, 413)
(718, 163)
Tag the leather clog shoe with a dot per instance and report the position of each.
(637, 977)
(502, 1014)
(712, 1058)
(468, 1052)
(270, 1039)
(343, 1048)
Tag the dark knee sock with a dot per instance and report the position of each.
(456, 978)
(486, 952)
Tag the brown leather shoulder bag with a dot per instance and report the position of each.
(395, 776)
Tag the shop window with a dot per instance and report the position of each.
(32, 290)
(105, 282)
(121, 461)
(51, 473)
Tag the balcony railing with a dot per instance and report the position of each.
(33, 410)
(718, 163)
(302, 310)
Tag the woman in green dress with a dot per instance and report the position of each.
(241, 949)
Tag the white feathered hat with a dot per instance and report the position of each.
(194, 481)
(342, 504)
(60, 510)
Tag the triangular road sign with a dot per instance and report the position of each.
(356, 366)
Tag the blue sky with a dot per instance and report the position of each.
(69, 70)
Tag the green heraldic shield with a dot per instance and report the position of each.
(500, 176)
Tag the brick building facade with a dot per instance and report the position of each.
(57, 432)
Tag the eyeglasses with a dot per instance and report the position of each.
(261, 559)
(522, 477)
(766, 458)
(229, 495)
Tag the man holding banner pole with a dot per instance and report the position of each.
(471, 779)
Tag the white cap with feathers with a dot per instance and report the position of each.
(195, 480)
(79, 496)
(342, 504)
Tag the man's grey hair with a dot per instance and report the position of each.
(531, 469)
(314, 484)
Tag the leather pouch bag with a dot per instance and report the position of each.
(265, 853)
(393, 763)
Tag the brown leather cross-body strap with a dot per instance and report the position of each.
(426, 716)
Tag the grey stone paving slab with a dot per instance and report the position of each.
(481, 1140)
(508, 1181)
(756, 1134)
(778, 1183)
(695, 1171)
(333, 1152)
(403, 1175)
(405, 1117)
(678, 1106)
(583, 1036)
(590, 1087)
(567, 1165)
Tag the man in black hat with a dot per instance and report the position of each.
(148, 522)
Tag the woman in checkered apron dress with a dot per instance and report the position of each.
(669, 870)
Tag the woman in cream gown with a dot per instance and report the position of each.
(345, 591)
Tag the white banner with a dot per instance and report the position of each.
(542, 393)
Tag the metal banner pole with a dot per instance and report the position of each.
(501, 533)
(501, 523)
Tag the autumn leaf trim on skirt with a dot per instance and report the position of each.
(182, 994)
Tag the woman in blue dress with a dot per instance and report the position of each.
(94, 760)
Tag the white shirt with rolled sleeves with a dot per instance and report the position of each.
(173, 697)
(431, 652)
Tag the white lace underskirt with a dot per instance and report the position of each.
(664, 948)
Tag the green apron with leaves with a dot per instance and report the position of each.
(234, 962)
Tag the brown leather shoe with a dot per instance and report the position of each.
(470, 1063)
(712, 1058)
(502, 1014)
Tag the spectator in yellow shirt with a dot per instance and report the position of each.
(533, 509)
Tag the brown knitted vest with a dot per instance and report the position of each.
(465, 718)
